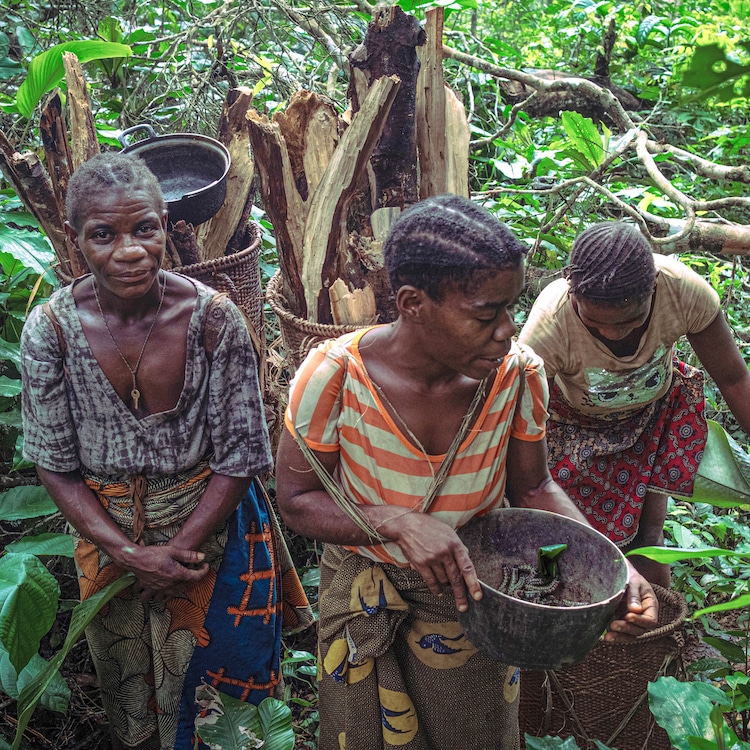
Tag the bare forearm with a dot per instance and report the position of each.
(220, 498)
(315, 515)
(548, 495)
(84, 512)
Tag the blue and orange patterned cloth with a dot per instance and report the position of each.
(224, 630)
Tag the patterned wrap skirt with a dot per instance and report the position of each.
(396, 670)
(608, 463)
(224, 629)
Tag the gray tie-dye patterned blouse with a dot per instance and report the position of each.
(76, 421)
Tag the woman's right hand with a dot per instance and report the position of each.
(162, 570)
(435, 551)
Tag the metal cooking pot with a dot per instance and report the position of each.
(191, 170)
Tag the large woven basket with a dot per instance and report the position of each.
(299, 336)
(605, 696)
(238, 275)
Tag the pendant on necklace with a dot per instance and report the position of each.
(135, 394)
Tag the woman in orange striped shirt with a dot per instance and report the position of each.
(414, 428)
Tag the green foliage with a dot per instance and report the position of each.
(82, 615)
(46, 70)
(20, 503)
(587, 145)
(688, 710)
(716, 73)
(28, 605)
(231, 724)
(723, 476)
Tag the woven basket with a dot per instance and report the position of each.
(299, 336)
(238, 275)
(605, 696)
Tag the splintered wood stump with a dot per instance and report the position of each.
(219, 235)
(57, 154)
(282, 201)
(442, 128)
(389, 49)
(325, 240)
(292, 155)
(33, 186)
(83, 141)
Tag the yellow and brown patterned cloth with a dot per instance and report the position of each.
(397, 671)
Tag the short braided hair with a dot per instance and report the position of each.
(104, 172)
(445, 239)
(611, 263)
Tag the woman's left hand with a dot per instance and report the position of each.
(642, 612)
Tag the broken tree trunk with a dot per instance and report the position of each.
(83, 140)
(430, 112)
(215, 235)
(325, 233)
(56, 148)
(33, 186)
(442, 129)
(292, 154)
(389, 49)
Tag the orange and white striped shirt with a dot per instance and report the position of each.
(335, 407)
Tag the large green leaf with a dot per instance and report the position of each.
(714, 73)
(11, 351)
(82, 615)
(739, 603)
(10, 387)
(231, 724)
(57, 545)
(46, 70)
(30, 501)
(29, 248)
(585, 137)
(672, 554)
(228, 723)
(723, 477)
(276, 725)
(28, 604)
(55, 697)
(683, 709)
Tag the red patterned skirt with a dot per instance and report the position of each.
(606, 464)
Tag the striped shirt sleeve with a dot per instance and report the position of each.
(530, 416)
(315, 399)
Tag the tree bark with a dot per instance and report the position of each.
(215, 235)
(84, 143)
(325, 235)
(389, 49)
(33, 186)
(431, 110)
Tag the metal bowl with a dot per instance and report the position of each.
(541, 636)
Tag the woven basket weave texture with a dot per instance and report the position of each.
(594, 699)
(238, 275)
(299, 336)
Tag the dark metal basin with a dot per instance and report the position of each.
(538, 636)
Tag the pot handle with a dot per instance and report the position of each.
(135, 128)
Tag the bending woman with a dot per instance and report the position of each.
(627, 423)
(417, 427)
(143, 415)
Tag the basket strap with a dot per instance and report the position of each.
(50, 313)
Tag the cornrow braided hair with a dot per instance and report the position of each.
(104, 172)
(611, 263)
(445, 239)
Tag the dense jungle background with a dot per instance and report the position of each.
(576, 111)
